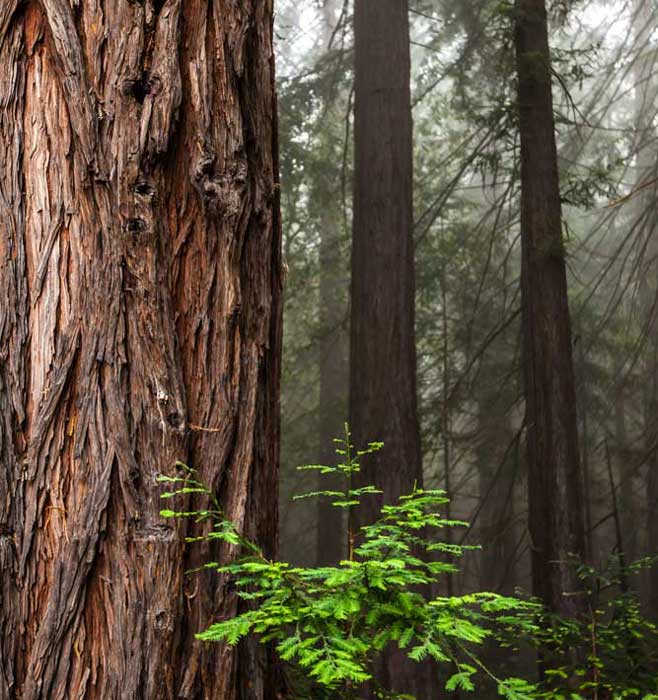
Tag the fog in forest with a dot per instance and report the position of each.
(328, 349)
(466, 228)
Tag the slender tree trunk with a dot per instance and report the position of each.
(382, 349)
(446, 427)
(140, 287)
(583, 413)
(497, 534)
(331, 538)
(627, 466)
(554, 476)
(495, 460)
(331, 541)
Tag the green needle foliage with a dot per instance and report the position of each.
(333, 622)
(610, 653)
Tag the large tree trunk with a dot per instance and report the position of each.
(140, 283)
(554, 475)
(382, 348)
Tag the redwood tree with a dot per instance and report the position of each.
(554, 475)
(140, 324)
(382, 347)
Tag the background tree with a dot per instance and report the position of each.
(382, 350)
(555, 491)
(316, 169)
(382, 333)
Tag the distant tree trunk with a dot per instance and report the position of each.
(554, 476)
(496, 452)
(382, 348)
(495, 460)
(140, 287)
(331, 540)
(627, 466)
(582, 406)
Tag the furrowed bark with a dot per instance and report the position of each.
(13, 335)
(140, 264)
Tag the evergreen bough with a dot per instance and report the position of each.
(334, 621)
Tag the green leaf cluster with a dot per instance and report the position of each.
(612, 652)
(334, 622)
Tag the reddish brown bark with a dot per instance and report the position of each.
(140, 281)
(554, 477)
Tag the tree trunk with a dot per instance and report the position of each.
(331, 539)
(382, 348)
(554, 476)
(382, 351)
(495, 463)
(626, 465)
(140, 284)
